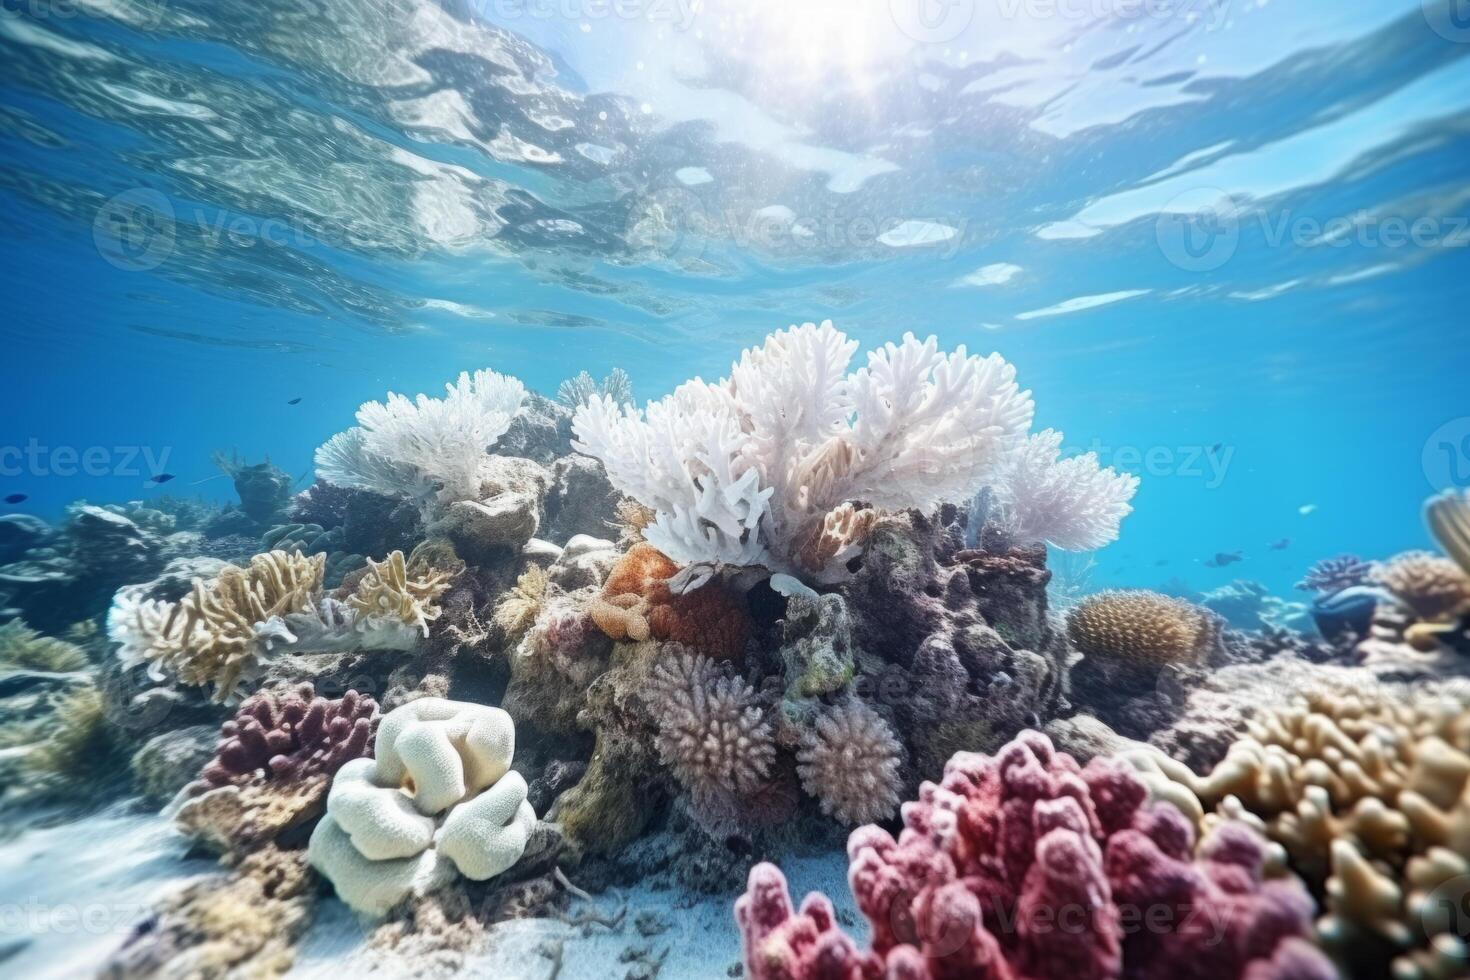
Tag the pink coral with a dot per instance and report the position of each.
(1026, 866)
(292, 736)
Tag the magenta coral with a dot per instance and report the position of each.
(1026, 866)
(292, 736)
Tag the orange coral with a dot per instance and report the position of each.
(636, 604)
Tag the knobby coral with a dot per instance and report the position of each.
(1142, 631)
(438, 797)
(711, 733)
(850, 763)
(428, 449)
(291, 736)
(638, 603)
(1024, 864)
(1368, 792)
(1073, 504)
(747, 471)
(387, 593)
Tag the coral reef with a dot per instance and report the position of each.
(291, 736)
(22, 648)
(1135, 634)
(264, 489)
(520, 607)
(751, 471)
(1367, 791)
(1434, 587)
(438, 796)
(388, 593)
(1335, 574)
(637, 603)
(850, 763)
(997, 859)
(429, 450)
(1073, 504)
(577, 391)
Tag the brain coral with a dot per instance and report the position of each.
(1369, 795)
(1026, 865)
(850, 764)
(637, 604)
(1433, 586)
(439, 796)
(1141, 630)
(710, 731)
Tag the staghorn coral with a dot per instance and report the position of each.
(1073, 504)
(291, 735)
(746, 472)
(522, 604)
(430, 449)
(219, 633)
(850, 764)
(637, 603)
(1367, 792)
(1335, 574)
(22, 648)
(1024, 864)
(1141, 631)
(387, 593)
(1434, 587)
(711, 733)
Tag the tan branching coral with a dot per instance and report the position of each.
(836, 537)
(1448, 517)
(637, 604)
(712, 734)
(388, 591)
(630, 518)
(1368, 794)
(521, 605)
(1141, 630)
(850, 764)
(1435, 587)
(215, 633)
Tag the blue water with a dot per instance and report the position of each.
(1225, 242)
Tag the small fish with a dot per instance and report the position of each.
(161, 479)
(1281, 545)
(294, 401)
(17, 498)
(1306, 509)
(1216, 448)
(1161, 563)
(1223, 558)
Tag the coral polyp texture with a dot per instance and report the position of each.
(1141, 631)
(1026, 865)
(850, 763)
(1433, 586)
(1334, 574)
(750, 470)
(637, 603)
(1368, 794)
(438, 799)
(1073, 504)
(291, 735)
(427, 449)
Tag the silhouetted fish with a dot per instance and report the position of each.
(16, 498)
(1281, 545)
(294, 401)
(1216, 447)
(1223, 558)
(161, 478)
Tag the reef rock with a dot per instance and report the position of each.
(581, 502)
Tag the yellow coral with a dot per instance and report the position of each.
(518, 610)
(1141, 630)
(388, 592)
(1369, 795)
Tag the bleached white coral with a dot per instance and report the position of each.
(428, 449)
(754, 469)
(1073, 504)
(617, 386)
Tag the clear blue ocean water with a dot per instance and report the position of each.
(1224, 241)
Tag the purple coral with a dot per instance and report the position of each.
(292, 736)
(1024, 864)
(850, 764)
(1335, 574)
(711, 733)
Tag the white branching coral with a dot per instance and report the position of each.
(428, 449)
(756, 470)
(1073, 504)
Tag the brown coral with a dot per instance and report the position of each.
(1435, 587)
(711, 733)
(1141, 630)
(1368, 793)
(834, 539)
(850, 764)
(388, 592)
(637, 604)
(291, 735)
